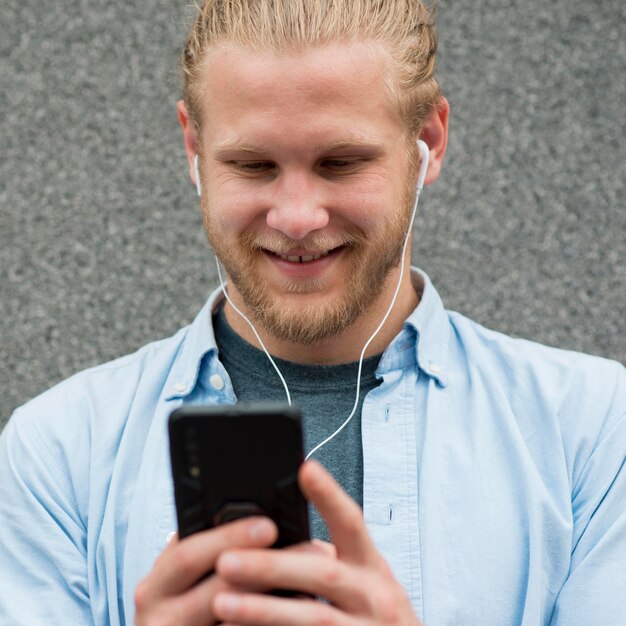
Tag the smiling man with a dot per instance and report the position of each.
(480, 479)
(309, 189)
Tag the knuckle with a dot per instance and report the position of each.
(388, 605)
(330, 549)
(331, 573)
(142, 595)
(183, 557)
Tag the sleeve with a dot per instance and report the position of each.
(42, 536)
(595, 590)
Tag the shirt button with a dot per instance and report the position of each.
(434, 368)
(180, 387)
(217, 382)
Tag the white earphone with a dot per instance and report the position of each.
(425, 155)
(197, 173)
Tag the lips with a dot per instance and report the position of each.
(302, 264)
(302, 258)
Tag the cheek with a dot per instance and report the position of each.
(372, 208)
(232, 210)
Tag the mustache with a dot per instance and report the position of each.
(279, 243)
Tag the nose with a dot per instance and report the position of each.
(297, 208)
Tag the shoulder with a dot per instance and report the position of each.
(111, 386)
(533, 366)
(579, 397)
(79, 423)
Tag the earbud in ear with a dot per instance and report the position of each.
(425, 154)
(197, 173)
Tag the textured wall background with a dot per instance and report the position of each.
(101, 244)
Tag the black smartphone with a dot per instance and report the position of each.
(230, 462)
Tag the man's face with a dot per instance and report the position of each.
(307, 184)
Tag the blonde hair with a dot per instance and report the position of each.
(405, 28)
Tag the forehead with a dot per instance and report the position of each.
(332, 86)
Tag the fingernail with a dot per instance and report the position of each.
(226, 604)
(262, 530)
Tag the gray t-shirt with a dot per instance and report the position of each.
(324, 393)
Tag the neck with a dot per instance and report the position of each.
(345, 346)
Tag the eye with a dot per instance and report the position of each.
(341, 165)
(253, 167)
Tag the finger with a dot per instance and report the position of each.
(343, 515)
(184, 562)
(326, 547)
(308, 572)
(194, 607)
(264, 610)
(315, 546)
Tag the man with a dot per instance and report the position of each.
(489, 470)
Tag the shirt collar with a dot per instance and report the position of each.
(431, 327)
(427, 326)
(199, 342)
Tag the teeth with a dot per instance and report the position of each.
(302, 259)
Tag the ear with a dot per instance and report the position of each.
(435, 134)
(189, 137)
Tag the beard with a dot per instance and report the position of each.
(295, 316)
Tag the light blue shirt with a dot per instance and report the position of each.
(494, 479)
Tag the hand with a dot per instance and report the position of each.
(357, 581)
(171, 593)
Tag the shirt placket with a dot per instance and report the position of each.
(390, 499)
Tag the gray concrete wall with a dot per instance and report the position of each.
(102, 248)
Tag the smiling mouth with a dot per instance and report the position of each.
(304, 258)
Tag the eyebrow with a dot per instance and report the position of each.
(341, 145)
(323, 149)
(238, 147)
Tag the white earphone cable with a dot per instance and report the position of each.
(256, 334)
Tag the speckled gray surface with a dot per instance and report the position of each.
(101, 244)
